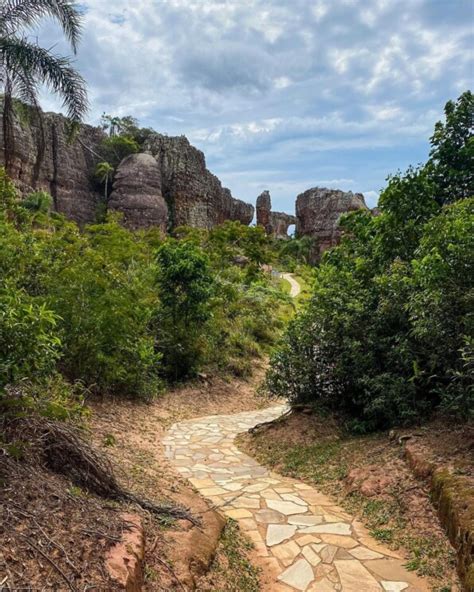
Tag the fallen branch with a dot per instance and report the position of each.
(65, 451)
(50, 561)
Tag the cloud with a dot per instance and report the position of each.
(284, 94)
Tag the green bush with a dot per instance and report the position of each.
(119, 311)
(387, 335)
(28, 337)
(185, 288)
(102, 289)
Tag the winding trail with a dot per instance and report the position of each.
(295, 286)
(305, 541)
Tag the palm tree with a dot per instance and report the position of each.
(104, 171)
(24, 65)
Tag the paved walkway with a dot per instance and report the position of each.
(306, 542)
(295, 286)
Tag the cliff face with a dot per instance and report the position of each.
(194, 196)
(317, 215)
(52, 163)
(275, 223)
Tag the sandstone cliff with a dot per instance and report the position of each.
(275, 223)
(49, 161)
(53, 163)
(317, 215)
(195, 196)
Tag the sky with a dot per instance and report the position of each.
(280, 94)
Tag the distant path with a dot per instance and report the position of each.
(305, 542)
(295, 286)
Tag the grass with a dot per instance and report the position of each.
(232, 570)
(284, 285)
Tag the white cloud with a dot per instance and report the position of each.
(298, 91)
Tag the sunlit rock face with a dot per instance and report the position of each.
(137, 193)
(275, 223)
(318, 211)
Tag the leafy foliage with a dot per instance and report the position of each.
(185, 288)
(387, 335)
(25, 66)
(118, 311)
(451, 161)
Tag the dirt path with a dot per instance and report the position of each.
(304, 540)
(295, 286)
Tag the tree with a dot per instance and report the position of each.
(104, 171)
(185, 286)
(451, 161)
(24, 65)
(126, 126)
(116, 148)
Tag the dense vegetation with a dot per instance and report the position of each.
(387, 335)
(108, 310)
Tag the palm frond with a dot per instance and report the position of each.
(15, 14)
(31, 61)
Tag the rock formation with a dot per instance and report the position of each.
(53, 163)
(195, 196)
(275, 223)
(137, 193)
(64, 168)
(317, 215)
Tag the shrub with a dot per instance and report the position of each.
(387, 335)
(185, 288)
(102, 289)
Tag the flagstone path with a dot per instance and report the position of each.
(304, 540)
(295, 286)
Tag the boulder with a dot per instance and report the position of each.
(137, 193)
(318, 211)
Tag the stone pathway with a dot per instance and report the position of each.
(305, 541)
(295, 286)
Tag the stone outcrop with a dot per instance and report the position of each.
(124, 561)
(318, 211)
(275, 223)
(52, 162)
(137, 193)
(64, 168)
(264, 208)
(195, 196)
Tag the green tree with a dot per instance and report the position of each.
(104, 172)
(387, 335)
(451, 163)
(185, 287)
(125, 126)
(115, 148)
(441, 305)
(24, 65)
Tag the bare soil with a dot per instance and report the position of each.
(55, 536)
(131, 433)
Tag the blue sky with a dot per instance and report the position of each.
(281, 94)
